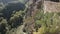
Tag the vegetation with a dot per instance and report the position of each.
(47, 23)
(19, 18)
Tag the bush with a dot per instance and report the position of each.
(49, 23)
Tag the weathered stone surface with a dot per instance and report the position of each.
(51, 6)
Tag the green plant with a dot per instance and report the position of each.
(48, 20)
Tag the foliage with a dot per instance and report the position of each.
(15, 18)
(49, 23)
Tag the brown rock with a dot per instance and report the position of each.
(51, 6)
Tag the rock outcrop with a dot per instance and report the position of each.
(51, 6)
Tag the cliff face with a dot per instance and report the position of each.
(51, 6)
(53, 0)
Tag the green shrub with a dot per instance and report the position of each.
(48, 20)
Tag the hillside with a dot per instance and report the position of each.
(29, 17)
